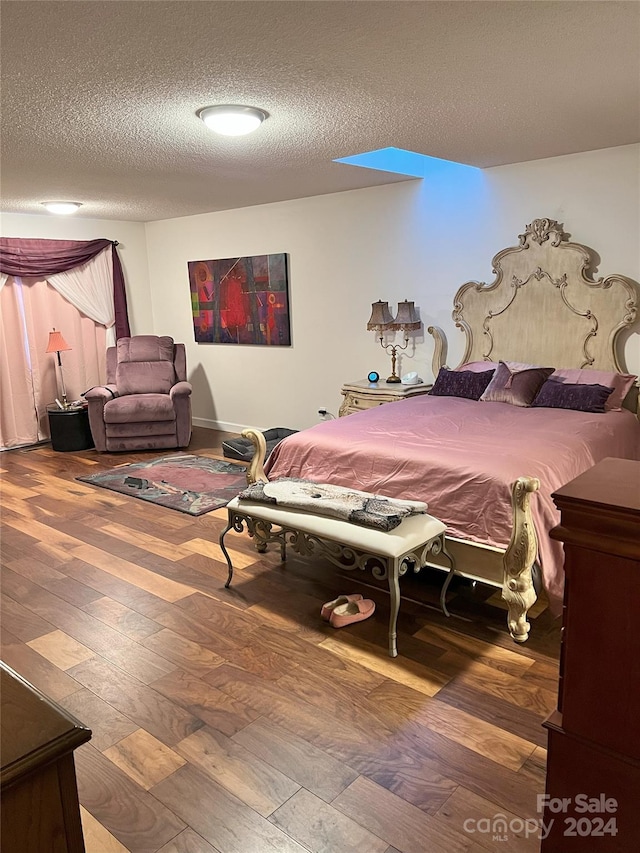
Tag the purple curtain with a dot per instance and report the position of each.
(119, 296)
(41, 258)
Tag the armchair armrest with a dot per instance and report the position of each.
(98, 397)
(101, 392)
(180, 389)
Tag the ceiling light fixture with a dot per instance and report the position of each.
(63, 207)
(232, 119)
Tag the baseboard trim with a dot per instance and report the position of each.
(225, 426)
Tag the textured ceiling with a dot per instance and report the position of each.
(99, 98)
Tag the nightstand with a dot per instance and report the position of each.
(362, 394)
(69, 429)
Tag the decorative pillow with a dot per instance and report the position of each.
(461, 383)
(478, 366)
(516, 383)
(620, 382)
(568, 395)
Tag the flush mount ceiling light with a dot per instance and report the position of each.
(232, 119)
(63, 207)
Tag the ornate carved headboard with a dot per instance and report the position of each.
(544, 306)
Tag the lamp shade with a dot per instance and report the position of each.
(57, 343)
(407, 317)
(380, 316)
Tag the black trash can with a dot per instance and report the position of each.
(69, 429)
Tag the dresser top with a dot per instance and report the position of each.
(389, 389)
(34, 729)
(611, 482)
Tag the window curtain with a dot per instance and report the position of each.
(53, 259)
(29, 378)
(89, 288)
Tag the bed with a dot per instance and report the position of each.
(489, 469)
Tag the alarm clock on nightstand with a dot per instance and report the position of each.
(373, 377)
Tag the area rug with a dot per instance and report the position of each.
(191, 484)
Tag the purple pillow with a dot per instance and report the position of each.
(620, 382)
(565, 395)
(516, 383)
(461, 383)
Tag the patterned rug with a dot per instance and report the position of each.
(191, 484)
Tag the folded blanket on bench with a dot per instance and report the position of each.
(377, 511)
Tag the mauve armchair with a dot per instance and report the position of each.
(146, 403)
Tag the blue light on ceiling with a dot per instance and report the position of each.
(403, 162)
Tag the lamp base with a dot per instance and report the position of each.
(395, 380)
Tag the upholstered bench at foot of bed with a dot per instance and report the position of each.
(347, 545)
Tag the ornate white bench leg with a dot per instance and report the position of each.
(517, 587)
(449, 578)
(229, 526)
(443, 594)
(260, 531)
(393, 572)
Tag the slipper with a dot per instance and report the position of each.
(352, 611)
(327, 609)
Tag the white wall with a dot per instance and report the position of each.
(132, 249)
(418, 240)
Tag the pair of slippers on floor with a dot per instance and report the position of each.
(347, 609)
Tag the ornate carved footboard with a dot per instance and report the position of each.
(517, 585)
(510, 569)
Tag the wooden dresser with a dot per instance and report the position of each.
(594, 735)
(40, 811)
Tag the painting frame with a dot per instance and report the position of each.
(242, 300)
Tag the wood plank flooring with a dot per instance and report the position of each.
(237, 721)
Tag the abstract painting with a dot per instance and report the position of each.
(241, 300)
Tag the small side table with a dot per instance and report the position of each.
(69, 429)
(362, 394)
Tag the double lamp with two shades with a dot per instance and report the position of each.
(382, 321)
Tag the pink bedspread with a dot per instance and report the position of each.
(461, 457)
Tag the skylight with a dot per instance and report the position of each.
(401, 162)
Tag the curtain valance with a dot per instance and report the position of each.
(43, 259)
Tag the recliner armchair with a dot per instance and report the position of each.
(146, 403)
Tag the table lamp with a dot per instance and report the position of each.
(381, 320)
(58, 344)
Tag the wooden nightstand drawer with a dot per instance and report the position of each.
(365, 403)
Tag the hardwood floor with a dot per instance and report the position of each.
(237, 721)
